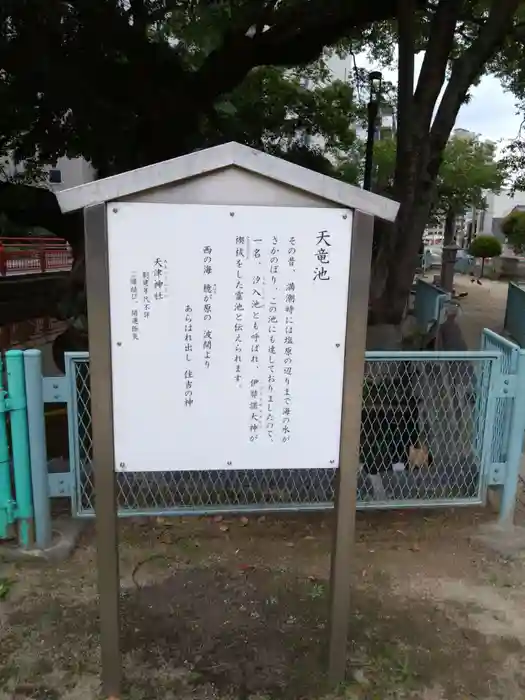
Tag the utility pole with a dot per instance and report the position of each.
(375, 79)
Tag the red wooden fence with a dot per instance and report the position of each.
(31, 333)
(26, 256)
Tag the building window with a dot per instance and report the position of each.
(55, 176)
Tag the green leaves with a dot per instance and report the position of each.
(126, 84)
(514, 161)
(513, 227)
(485, 247)
(226, 108)
(468, 168)
(278, 110)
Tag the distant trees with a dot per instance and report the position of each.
(513, 227)
(485, 247)
(469, 166)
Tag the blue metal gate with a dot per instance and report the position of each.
(509, 419)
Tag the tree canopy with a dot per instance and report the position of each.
(513, 227)
(128, 82)
(280, 110)
(125, 84)
(468, 167)
(485, 247)
(515, 162)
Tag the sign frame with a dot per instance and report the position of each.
(97, 284)
(276, 332)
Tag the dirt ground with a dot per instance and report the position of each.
(237, 608)
(484, 307)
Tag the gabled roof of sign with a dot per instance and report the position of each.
(199, 163)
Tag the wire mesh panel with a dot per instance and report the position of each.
(423, 442)
(504, 405)
(422, 432)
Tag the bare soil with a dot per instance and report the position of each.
(237, 608)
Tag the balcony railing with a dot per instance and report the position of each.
(26, 256)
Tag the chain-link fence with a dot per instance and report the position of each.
(424, 441)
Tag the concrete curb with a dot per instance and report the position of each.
(65, 537)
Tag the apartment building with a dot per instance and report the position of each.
(65, 173)
(487, 221)
(435, 231)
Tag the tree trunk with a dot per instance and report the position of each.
(396, 246)
(449, 231)
(397, 250)
(448, 260)
(394, 267)
(405, 88)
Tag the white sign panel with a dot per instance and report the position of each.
(228, 330)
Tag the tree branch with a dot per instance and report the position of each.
(296, 35)
(37, 206)
(468, 68)
(266, 15)
(293, 32)
(432, 75)
(405, 88)
(139, 12)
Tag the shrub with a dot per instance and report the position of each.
(513, 228)
(485, 247)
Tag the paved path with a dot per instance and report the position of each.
(484, 307)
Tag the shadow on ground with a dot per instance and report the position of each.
(228, 632)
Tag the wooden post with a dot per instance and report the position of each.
(3, 261)
(42, 257)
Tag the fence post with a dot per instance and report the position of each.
(14, 360)
(505, 319)
(42, 258)
(3, 261)
(7, 504)
(514, 448)
(37, 447)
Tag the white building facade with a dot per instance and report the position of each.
(488, 221)
(65, 173)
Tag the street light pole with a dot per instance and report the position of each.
(375, 79)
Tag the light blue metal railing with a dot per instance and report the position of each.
(428, 303)
(16, 498)
(458, 445)
(514, 323)
(468, 432)
(38, 448)
(7, 501)
(17, 406)
(509, 420)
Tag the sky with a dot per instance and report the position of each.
(491, 112)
